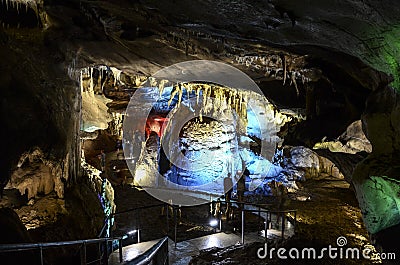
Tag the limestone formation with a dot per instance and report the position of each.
(36, 175)
(376, 179)
(352, 141)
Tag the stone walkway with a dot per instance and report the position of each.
(182, 253)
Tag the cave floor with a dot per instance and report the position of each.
(331, 211)
(182, 252)
(152, 222)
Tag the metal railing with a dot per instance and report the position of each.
(138, 217)
(103, 248)
(259, 208)
(157, 255)
(268, 221)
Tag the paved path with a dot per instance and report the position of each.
(183, 252)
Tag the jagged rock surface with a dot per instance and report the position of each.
(35, 175)
(377, 178)
(352, 141)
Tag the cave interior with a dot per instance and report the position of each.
(296, 102)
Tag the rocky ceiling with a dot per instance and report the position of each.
(333, 59)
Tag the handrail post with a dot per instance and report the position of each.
(266, 228)
(138, 225)
(242, 227)
(176, 224)
(212, 206)
(269, 219)
(83, 254)
(120, 250)
(41, 255)
(167, 210)
(167, 258)
(283, 225)
(99, 250)
(105, 252)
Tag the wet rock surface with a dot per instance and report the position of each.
(352, 141)
(44, 211)
(12, 232)
(81, 218)
(376, 178)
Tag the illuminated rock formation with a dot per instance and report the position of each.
(37, 175)
(352, 141)
(376, 179)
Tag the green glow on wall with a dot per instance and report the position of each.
(379, 201)
(384, 53)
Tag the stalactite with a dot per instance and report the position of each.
(81, 80)
(27, 3)
(180, 92)
(293, 79)
(152, 82)
(284, 64)
(91, 86)
(137, 81)
(198, 89)
(117, 75)
(214, 99)
(161, 85)
(173, 93)
(188, 89)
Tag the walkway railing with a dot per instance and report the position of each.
(156, 255)
(138, 218)
(268, 220)
(103, 248)
(260, 208)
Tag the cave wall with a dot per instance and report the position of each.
(40, 105)
(376, 179)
